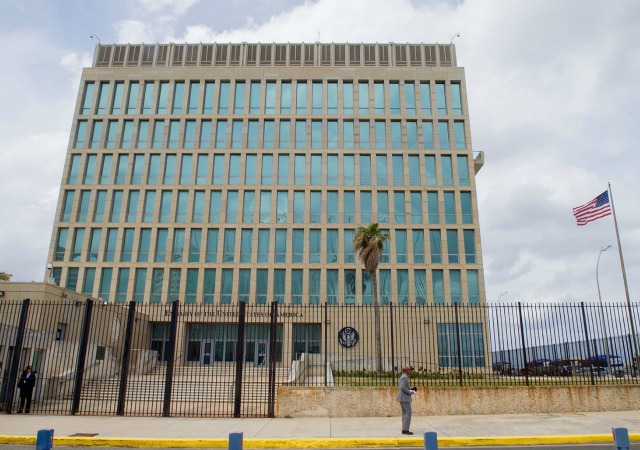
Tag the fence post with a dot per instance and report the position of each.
(459, 340)
(15, 357)
(82, 355)
(524, 344)
(326, 344)
(586, 341)
(393, 345)
(273, 329)
(168, 384)
(239, 359)
(124, 370)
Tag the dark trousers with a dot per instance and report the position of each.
(25, 396)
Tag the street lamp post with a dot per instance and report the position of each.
(501, 294)
(604, 326)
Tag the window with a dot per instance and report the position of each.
(301, 134)
(78, 240)
(197, 213)
(381, 138)
(285, 97)
(265, 206)
(365, 207)
(297, 244)
(202, 169)
(149, 206)
(132, 206)
(418, 246)
(209, 287)
(299, 170)
(126, 252)
(94, 244)
(396, 134)
(383, 206)
(268, 134)
(381, 170)
(435, 242)
(262, 286)
(147, 98)
(470, 335)
(458, 131)
(248, 206)
(398, 170)
(96, 134)
(332, 207)
(349, 204)
(280, 254)
(332, 170)
(116, 206)
(83, 206)
(212, 246)
(473, 287)
(161, 245)
(465, 207)
(110, 245)
(137, 169)
(192, 286)
(332, 287)
(416, 207)
(412, 134)
(232, 207)
(364, 140)
(365, 170)
(144, 245)
(143, 134)
(207, 106)
(452, 247)
(447, 170)
(456, 99)
(469, 246)
(301, 97)
(437, 286)
(178, 94)
(363, 97)
(401, 246)
(163, 97)
(332, 134)
(378, 97)
(185, 169)
(127, 134)
(316, 170)
(181, 207)
(443, 130)
(218, 169)
(298, 207)
(441, 100)
(263, 245)
(254, 97)
(87, 98)
(315, 207)
(332, 97)
(282, 206)
(285, 134)
(266, 172)
(246, 246)
(279, 283)
(314, 246)
(349, 286)
(105, 284)
(348, 169)
(132, 98)
(81, 134)
(283, 170)
(194, 93)
(347, 98)
(400, 213)
(427, 135)
(449, 208)
(402, 284)
(158, 130)
(223, 99)
(229, 248)
(347, 133)
(189, 134)
(316, 97)
(165, 207)
(236, 134)
(112, 132)
(332, 246)
(463, 171)
(244, 285)
(270, 98)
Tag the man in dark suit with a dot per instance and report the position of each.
(404, 397)
(26, 384)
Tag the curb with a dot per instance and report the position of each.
(317, 442)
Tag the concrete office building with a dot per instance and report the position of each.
(224, 173)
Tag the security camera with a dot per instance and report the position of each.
(50, 266)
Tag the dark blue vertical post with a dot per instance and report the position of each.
(126, 354)
(168, 384)
(430, 440)
(235, 441)
(82, 355)
(15, 356)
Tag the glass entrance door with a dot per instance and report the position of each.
(206, 358)
(260, 358)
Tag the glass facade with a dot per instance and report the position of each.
(278, 173)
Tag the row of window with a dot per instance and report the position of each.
(330, 207)
(290, 286)
(272, 97)
(254, 134)
(268, 170)
(259, 246)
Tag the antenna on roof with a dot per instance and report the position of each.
(318, 37)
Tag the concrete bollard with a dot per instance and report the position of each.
(621, 438)
(430, 440)
(235, 441)
(44, 439)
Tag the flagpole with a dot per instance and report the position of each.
(624, 279)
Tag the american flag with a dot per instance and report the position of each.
(593, 210)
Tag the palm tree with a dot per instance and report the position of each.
(4, 276)
(368, 244)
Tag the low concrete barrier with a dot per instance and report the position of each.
(304, 401)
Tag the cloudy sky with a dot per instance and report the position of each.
(553, 99)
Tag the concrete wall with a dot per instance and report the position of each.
(300, 401)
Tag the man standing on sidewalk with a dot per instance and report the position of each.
(404, 397)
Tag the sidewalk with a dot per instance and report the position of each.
(360, 432)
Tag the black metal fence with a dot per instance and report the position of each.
(228, 360)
